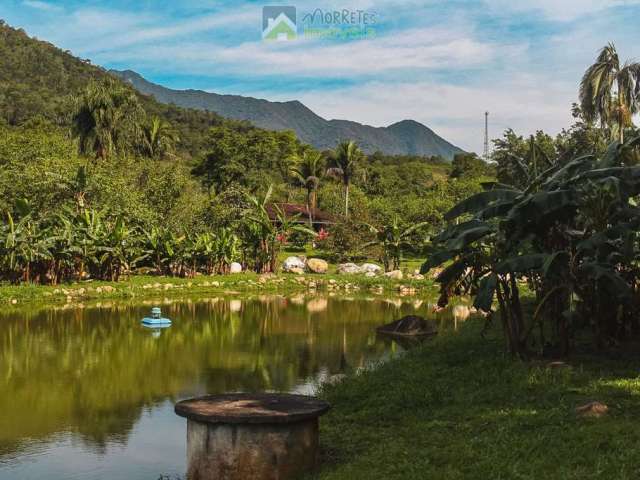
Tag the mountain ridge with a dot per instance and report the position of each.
(406, 137)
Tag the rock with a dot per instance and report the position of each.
(235, 267)
(394, 275)
(371, 268)
(411, 325)
(296, 270)
(592, 410)
(317, 265)
(265, 277)
(108, 289)
(293, 262)
(335, 379)
(349, 268)
(370, 274)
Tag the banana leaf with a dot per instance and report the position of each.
(486, 291)
(480, 201)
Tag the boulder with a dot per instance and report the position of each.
(411, 326)
(371, 267)
(296, 271)
(370, 274)
(317, 265)
(394, 275)
(235, 267)
(349, 268)
(293, 263)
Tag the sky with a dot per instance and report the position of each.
(442, 63)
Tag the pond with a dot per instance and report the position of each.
(88, 393)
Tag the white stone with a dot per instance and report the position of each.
(371, 267)
(293, 262)
(349, 268)
(235, 267)
(394, 274)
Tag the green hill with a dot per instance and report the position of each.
(402, 138)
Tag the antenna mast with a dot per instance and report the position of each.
(486, 136)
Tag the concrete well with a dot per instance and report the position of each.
(251, 436)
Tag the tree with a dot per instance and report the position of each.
(394, 240)
(468, 164)
(157, 139)
(344, 163)
(518, 161)
(106, 119)
(571, 234)
(307, 170)
(611, 92)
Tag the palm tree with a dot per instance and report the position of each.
(611, 92)
(344, 164)
(105, 119)
(307, 171)
(157, 138)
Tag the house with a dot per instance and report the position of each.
(280, 28)
(300, 214)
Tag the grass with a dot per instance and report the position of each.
(458, 408)
(144, 286)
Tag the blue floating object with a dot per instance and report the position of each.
(156, 318)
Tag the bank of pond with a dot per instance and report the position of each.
(89, 391)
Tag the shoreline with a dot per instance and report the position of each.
(459, 407)
(142, 287)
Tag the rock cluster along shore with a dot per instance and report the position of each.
(300, 265)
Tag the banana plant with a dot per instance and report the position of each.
(265, 236)
(571, 234)
(395, 240)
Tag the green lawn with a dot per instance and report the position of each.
(458, 408)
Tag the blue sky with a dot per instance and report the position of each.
(442, 63)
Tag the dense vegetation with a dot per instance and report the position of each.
(563, 221)
(99, 181)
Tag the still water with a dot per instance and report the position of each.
(88, 393)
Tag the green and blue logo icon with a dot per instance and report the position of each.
(279, 23)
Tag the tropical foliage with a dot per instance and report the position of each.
(610, 92)
(394, 240)
(570, 236)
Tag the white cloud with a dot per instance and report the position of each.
(560, 10)
(417, 49)
(39, 5)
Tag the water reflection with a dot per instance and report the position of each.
(90, 383)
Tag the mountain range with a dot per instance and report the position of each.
(407, 137)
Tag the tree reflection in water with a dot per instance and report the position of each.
(91, 372)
